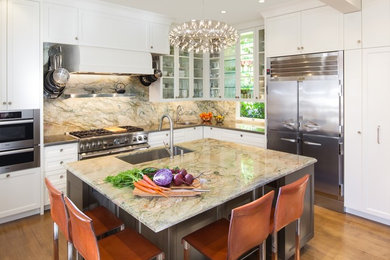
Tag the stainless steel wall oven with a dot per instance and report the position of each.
(19, 140)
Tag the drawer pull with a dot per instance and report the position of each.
(62, 162)
(241, 135)
(8, 175)
(61, 150)
(61, 176)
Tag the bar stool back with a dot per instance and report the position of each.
(59, 216)
(126, 244)
(289, 208)
(248, 228)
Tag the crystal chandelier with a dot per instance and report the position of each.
(203, 35)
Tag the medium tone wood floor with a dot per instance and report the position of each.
(337, 236)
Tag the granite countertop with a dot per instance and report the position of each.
(230, 170)
(232, 125)
(58, 139)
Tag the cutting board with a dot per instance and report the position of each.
(115, 129)
(195, 185)
(172, 193)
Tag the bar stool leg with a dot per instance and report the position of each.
(160, 256)
(262, 251)
(297, 240)
(274, 245)
(55, 241)
(70, 251)
(186, 250)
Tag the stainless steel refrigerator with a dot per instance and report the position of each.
(305, 116)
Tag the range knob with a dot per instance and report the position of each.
(139, 138)
(116, 141)
(99, 144)
(88, 146)
(81, 147)
(93, 145)
(145, 137)
(134, 139)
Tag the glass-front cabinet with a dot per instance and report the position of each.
(198, 76)
(215, 67)
(183, 76)
(168, 78)
(238, 72)
(229, 68)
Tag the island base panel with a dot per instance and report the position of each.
(169, 240)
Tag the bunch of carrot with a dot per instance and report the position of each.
(147, 185)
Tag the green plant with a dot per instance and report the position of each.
(252, 110)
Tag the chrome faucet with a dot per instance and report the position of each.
(179, 113)
(170, 133)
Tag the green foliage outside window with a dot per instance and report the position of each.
(252, 110)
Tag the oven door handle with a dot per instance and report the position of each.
(19, 122)
(17, 151)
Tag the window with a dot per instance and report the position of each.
(251, 110)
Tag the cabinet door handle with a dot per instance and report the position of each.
(151, 47)
(10, 103)
(241, 135)
(298, 48)
(62, 162)
(61, 176)
(302, 48)
(359, 41)
(76, 38)
(61, 150)
(289, 140)
(378, 132)
(8, 175)
(311, 143)
(359, 132)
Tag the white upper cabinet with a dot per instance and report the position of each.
(158, 38)
(315, 30)
(111, 26)
(283, 35)
(60, 24)
(111, 31)
(23, 55)
(321, 30)
(353, 31)
(376, 23)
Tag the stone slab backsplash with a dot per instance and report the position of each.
(62, 115)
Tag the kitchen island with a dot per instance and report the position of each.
(235, 174)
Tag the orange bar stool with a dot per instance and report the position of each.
(104, 220)
(248, 228)
(126, 244)
(289, 208)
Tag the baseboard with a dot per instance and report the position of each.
(20, 215)
(368, 216)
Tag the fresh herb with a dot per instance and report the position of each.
(125, 179)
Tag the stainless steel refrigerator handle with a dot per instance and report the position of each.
(378, 138)
(19, 122)
(17, 151)
(311, 143)
(288, 140)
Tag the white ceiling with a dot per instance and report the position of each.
(237, 11)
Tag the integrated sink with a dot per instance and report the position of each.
(186, 123)
(152, 155)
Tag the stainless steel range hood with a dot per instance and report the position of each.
(95, 60)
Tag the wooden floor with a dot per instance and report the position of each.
(337, 236)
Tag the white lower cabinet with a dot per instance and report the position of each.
(235, 136)
(179, 135)
(55, 158)
(20, 192)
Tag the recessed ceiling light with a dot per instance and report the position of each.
(223, 12)
(261, 1)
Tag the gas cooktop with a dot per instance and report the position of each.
(103, 132)
(99, 142)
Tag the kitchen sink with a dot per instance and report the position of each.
(152, 155)
(186, 123)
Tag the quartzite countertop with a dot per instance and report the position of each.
(230, 170)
